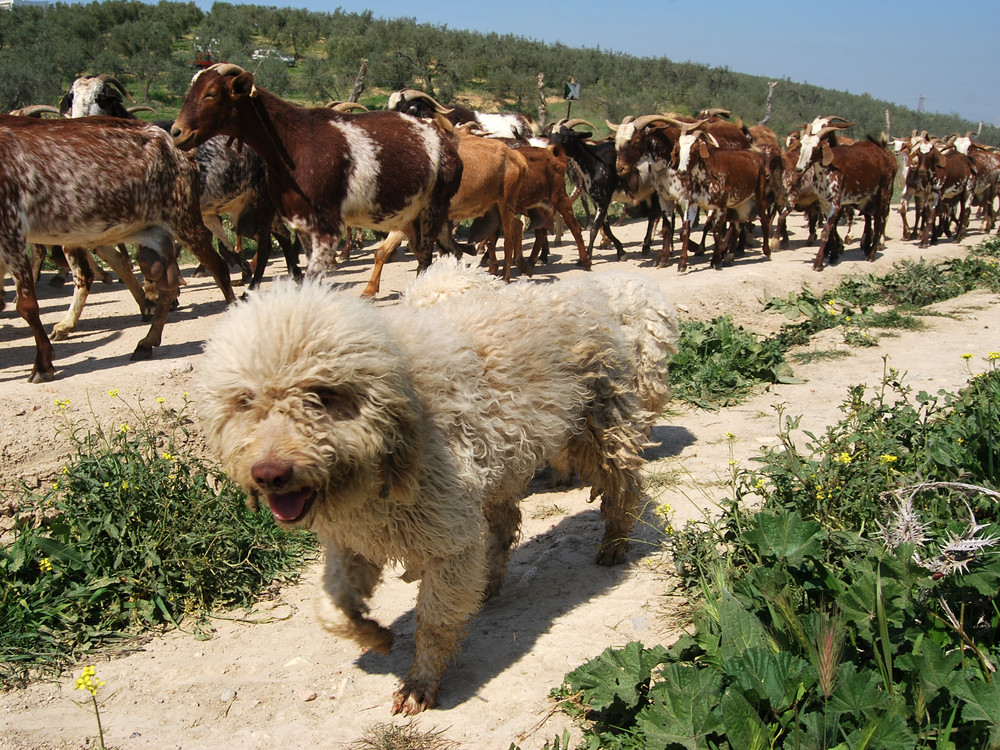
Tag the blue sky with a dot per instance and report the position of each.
(945, 52)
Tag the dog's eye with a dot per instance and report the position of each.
(337, 402)
(243, 400)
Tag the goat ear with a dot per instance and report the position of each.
(243, 85)
(703, 150)
(827, 158)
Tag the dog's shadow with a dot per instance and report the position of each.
(549, 575)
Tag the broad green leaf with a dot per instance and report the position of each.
(739, 629)
(935, 669)
(982, 701)
(785, 535)
(616, 674)
(682, 708)
(858, 692)
(744, 728)
(774, 678)
(887, 732)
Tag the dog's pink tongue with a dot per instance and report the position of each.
(289, 505)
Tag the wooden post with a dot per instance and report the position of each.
(543, 108)
(770, 98)
(359, 81)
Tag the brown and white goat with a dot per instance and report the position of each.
(733, 182)
(56, 188)
(327, 170)
(650, 140)
(945, 178)
(860, 174)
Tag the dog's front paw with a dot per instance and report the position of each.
(412, 698)
(612, 553)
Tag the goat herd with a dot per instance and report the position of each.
(307, 175)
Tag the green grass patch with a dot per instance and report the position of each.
(137, 533)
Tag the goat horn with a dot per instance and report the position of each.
(108, 78)
(231, 69)
(345, 106)
(35, 110)
(227, 69)
(714, 112)
(140, 108)
(570, 124)
(644, 120)
(409, 94)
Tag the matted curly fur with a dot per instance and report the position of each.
(408, 434)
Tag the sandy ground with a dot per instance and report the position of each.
(273, 678)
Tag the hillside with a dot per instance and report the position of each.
(152, 49)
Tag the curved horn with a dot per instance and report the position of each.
(570, 124)
(345, 107)
(231, 69)
(108, 78)
(140, 108)
(410, 94)
(35, 110)
(714, 112)
(642, 122)
(226, 69)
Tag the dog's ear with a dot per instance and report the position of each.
(399, 474)
(401, 463)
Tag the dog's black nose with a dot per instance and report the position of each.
(271, 474)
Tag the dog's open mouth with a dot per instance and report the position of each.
(291, 506)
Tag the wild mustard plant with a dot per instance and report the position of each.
(88, 681)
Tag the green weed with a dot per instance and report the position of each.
(137, 533)
(853, 606)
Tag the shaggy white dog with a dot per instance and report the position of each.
(408, 434)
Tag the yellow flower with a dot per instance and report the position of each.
(842, 458)
(730, 436)
(123, 428)
(847, 318)
(160, 400)
(887, 458)
(994, 356)
(665, 509)
(759, 485)
(45, 564)
(733, 462)
(168, 456)
(113, 393)
(967, 356)
(87, 682)
(124, 485)
(107, 484)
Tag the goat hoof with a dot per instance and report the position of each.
(141, 353)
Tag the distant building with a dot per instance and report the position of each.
(8, 4)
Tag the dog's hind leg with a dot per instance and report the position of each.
(607, 453)
(503, 518)
(349, 580)
(451, 591)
